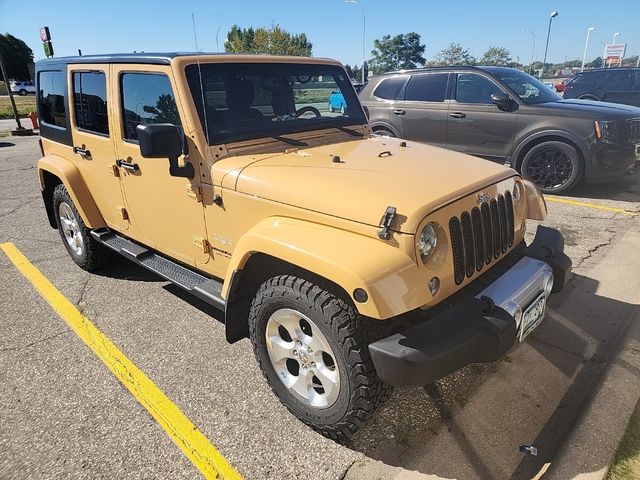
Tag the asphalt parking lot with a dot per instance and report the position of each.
(64, 414)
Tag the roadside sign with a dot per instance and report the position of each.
(45, 36)
(614, 51)
(48, 49)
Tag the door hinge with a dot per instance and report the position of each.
(115, 170)
(194, 192)
(124, 214)
(202, 243)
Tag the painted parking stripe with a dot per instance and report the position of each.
(180, 429)
(595, 206)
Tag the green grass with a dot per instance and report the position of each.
(626, 462)
(312, 95)
(24, 104)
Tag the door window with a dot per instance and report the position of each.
(427, 88)
(90, 102)
(147, 98)
(472, 88)
(51, 99)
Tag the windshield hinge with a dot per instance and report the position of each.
(202, 243)
(386, 222)
(194, 192)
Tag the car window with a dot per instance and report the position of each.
(147, 98)
(427, 87)
(90, 101)
(529, 89)
(473, 88)
(51, 98)
(620, 77)
(252, 100)
(389, 88)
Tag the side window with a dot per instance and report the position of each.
(389, 88)
(472, 88)
(146, 98)
(53, 110)
(427, 87)
(90, 102)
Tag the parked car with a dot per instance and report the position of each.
(353, 263)
(617, 85)
(505, 115)
(22, 88)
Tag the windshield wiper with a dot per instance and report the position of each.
(290, 141)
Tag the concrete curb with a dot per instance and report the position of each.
(376, 470)
(589, 450)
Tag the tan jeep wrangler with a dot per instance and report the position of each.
(352, 262)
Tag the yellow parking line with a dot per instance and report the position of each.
(595, 206)
(185, 434)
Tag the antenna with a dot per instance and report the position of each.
(204, 106)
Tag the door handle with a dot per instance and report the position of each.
(458, 115)
(82, 151)
(133, 167)
(399, 112)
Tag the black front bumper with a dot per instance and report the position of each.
(612, 161)
(472, 330)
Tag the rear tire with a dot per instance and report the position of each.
(82, 247)
(312, 349)
(589, 97)
(554, 167)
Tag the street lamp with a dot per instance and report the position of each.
(533, 48)
(553, 15)
(218, 33)
(586, 44)
(364, 29)
(615, 35)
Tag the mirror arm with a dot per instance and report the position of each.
(175, 170)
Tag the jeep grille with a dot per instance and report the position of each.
(481, 236)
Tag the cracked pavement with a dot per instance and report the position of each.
(63, 413)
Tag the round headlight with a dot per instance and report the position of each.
(427, 241)
(517, 191)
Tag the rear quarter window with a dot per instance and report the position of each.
(51, 99)
(389, 88)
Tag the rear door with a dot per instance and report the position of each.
(422, 113)
(619, 87)
(93, 145)
(474, 124)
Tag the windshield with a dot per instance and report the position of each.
(253, 100)
(529, 89)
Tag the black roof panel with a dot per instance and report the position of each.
(161, 58)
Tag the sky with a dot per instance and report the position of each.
(333, 26)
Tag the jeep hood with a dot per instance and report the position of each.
(369, 175)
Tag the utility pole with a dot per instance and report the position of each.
(533, 48)
(586, 44)
(13, 102)
(364, 29)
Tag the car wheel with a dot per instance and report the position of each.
(554, 167)
(331, 109)
(589, 97)
(22, 92)
(82, 247)
(342, 110)
(383, 132)
(313, 352)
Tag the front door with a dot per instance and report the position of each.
(164, 211)
(474, 124)
(423, 111)
(93, 145)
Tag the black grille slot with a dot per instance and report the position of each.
(488, 232)
(502, 210)
(495, 221)
(469, 249)
(478, 237)
(455, 230)
(510, 226)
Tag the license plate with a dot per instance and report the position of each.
(532, 316)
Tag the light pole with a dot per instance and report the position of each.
(586, 44)
(553, 15)
(218, 33)
(364, 29)
(615, 35)
(533, 48)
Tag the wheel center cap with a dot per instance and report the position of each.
(304, 358)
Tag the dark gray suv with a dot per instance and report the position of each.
(503, 114)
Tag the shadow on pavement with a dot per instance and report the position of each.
(624, 189)
(7, 144)
(429, 429)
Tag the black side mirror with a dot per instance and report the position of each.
(164, 140)
(501, 100)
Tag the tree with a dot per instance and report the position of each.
(496, 56)
(272, 41)
(454, 54)
(17, 56)
(595, 63)
(403, 51)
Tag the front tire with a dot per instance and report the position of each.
(555, 167)
(312, 350)
(81, 246)
(22, 92)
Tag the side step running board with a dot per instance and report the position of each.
(204, 288)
